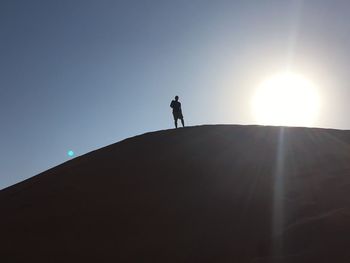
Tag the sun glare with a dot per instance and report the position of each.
(286, 99)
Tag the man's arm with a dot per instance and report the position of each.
(172, 104)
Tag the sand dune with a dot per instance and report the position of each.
(201, 194)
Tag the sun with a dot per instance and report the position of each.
(286, 99)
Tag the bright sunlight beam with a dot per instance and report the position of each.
(286, 99)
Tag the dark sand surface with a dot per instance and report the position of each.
(220, 193)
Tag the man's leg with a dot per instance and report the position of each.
(175, 119)
(183, 122)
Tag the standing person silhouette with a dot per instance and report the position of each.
(177, 112)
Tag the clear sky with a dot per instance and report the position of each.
(82, 74)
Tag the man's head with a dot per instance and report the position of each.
(176, 98)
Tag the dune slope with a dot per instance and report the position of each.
(220, 193)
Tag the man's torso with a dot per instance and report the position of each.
(176, 106)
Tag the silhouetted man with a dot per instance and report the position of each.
(177, 113)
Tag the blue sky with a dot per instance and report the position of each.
(79, 75)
